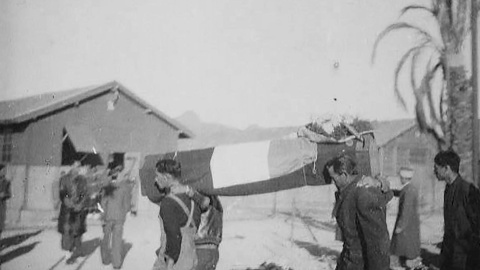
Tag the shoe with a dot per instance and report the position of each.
(71, 260)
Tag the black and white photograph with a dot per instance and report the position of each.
(239, 135)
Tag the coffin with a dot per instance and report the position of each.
(261, 167)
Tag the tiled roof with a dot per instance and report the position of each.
(19, 110)
(28, 108)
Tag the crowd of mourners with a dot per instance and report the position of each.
(360, 212)
(106, 192)
(191, 222)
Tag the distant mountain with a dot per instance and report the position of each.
(212, 134)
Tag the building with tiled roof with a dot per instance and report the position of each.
(42, 135)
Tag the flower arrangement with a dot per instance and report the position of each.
(338, 127)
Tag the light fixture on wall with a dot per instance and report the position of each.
(113, 101)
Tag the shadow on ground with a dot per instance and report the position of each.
(315, 250)
(17, 252)
(126, 248)
(87, 249)
(312, 222)
(16, 239)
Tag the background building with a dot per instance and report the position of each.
(402, 144)
(42, 135)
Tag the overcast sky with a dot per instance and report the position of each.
(235, 62)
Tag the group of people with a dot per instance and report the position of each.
(79, 196)
(188, 242)
(360, 211)
(191, 223)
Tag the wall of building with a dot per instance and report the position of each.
(38, 147)
(18, 142)
(17, 175)
(40, 196)
(127, 128)
(416, 150)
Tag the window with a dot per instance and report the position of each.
(418, 155)
(403, 157)
(70, 153)
(7, 146)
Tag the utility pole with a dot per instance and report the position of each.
(475, 139)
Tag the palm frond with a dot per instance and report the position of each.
(434, 127)
(432, 10)
(449, 9)
(401, 26)
(413, 68)
(420, 115)
(442, 103)
(429, 92)
(399, 67)
(461, 23)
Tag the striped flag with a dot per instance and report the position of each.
(246, 163)
(255, 167)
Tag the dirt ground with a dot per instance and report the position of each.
(292, 229)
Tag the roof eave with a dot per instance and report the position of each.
(399, 134)
(32, 115)
(183, 132)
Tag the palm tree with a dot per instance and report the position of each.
(446, 115)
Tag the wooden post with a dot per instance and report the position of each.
(475, 139)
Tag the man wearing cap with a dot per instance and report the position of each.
(405, 243)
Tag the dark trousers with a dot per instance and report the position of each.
(111, 246)
(350, 260)
(207, 258)
(71, 242)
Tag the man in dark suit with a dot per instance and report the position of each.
(360, 211)
(461, 237)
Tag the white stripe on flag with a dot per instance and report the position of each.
(240, 164)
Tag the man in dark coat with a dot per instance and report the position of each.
(361, 216)
(406, 234)
(73, 212)
(461, 214)
(173, 217)
(5, 194)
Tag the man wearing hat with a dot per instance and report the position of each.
(405, 244)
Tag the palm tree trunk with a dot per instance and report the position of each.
(459, 113)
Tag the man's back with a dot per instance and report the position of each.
(361, 217)
(461, 219)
